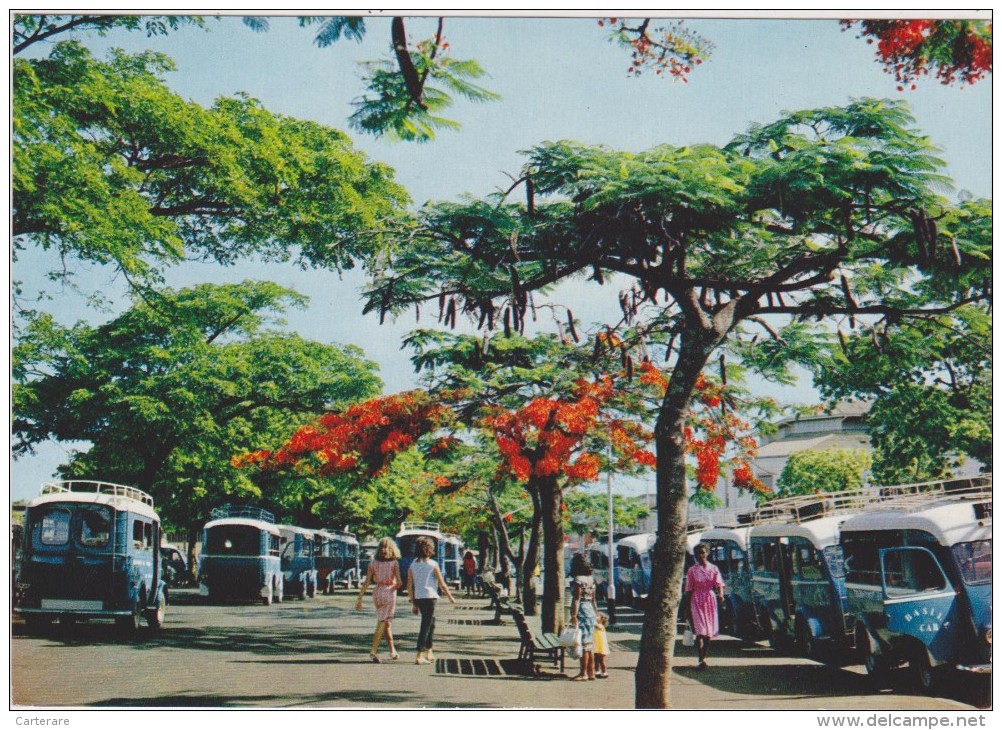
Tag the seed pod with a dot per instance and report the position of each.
(450, 314)
(570, 325)
(507, 322)
(956, 252)
(629, 368)
(441, 306)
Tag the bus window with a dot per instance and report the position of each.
(54, 527)
(765, 557)
(912, 571)
(142, 535)
(806, 563)
(95, 527)
(975, 560)
(861, 561)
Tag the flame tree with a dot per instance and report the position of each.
(545, 413)
(822, 216)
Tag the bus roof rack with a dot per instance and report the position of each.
(419, 527)
(242, 511)
(97, 487)
(903, 497)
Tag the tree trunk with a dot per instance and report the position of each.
(657, 643)
(531, 559)
(551, 503)
(505, 553)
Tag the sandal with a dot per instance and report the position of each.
(579, 678)
(375, 659)
(394, 656)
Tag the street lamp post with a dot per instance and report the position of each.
(610, 593)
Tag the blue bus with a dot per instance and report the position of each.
(240, 556)
(728, 550)
(446, 546)
(338, 560)
(298, 547)
(91, 550)
(633, 567)
(798, 583)
(919, 581)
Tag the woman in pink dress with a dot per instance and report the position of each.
(384, 572)
(704, 585)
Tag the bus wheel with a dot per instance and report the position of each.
(266, 599)
(804, 640)
(301, 593)
(922, 675)
(311, 589)
(155, 616)
(874, 665)
(129, 624)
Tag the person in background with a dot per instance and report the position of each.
(424, 580)
(584, 611)
(384, 572)
(469, 573)
(601, 646)
(704, 585)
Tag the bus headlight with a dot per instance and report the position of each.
(987, 633)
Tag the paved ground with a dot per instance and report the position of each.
(314, 654)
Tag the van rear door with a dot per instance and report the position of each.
(919, 601)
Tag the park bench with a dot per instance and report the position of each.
(541, 646)
(500, 602)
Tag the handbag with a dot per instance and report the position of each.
(688, 637)
(570, 637)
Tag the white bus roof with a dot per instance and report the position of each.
(692, 540)
(641, 542)
(116, 496)
(295, 530)
(821, 532)
(949, 523)
(734, 534)
(259, 524)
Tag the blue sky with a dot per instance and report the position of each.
(559, 78)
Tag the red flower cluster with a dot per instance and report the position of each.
(544, 438)
(366, 435)
(957, 50)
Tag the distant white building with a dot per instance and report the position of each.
(841, 427)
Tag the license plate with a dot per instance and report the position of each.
(55, 604)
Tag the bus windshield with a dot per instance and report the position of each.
(975, 560)
(234, 540)
(408, 545)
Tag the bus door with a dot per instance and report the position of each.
(919, 602)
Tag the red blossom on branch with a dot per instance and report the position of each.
(546, 437)
(954, 50)
(365, 436)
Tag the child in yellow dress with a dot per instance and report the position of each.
(601, 646)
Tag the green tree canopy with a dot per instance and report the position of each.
(830, 470)
(168, 391)
(829, 214)
(111, 166)
(930, 381)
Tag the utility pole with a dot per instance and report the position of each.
(610, 594)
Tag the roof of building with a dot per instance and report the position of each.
(786, 446)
